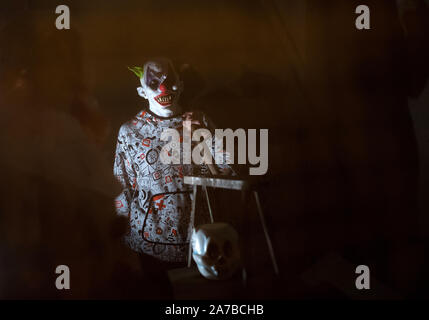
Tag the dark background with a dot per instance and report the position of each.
(347, 113)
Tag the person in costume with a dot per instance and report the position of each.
(154, 197)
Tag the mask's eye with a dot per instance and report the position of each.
(171, 82)
(212, 250)
(154, 84)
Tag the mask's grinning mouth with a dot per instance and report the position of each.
(165, 100)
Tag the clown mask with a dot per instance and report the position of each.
(160, 85)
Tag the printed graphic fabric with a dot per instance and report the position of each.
(154, 198)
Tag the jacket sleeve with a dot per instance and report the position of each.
(124, 173)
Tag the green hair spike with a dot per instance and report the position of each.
(138, 71)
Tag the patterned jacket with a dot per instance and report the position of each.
(155, 198)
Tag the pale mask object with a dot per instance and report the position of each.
(215, 250)
(160, 85)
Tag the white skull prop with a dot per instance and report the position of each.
(215, 250)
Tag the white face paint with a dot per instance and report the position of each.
(216, 251)
(161, 87)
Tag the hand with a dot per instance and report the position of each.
(196, 120)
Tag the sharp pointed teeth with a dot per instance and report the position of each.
(165, 99)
